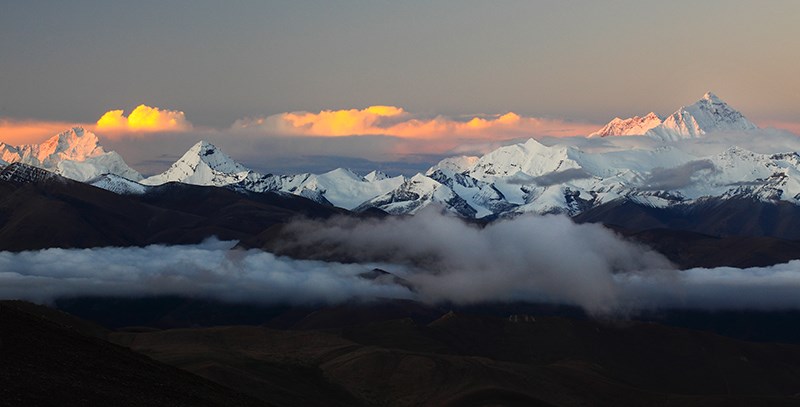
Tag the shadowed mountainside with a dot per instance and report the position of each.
(56, 212)
(53, 359)
(395, 353)
(466, 360)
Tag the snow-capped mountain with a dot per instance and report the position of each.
(75, 153)
(708, 114)
(513, 179)
(456, 164)
(416, 193)
(203, 164)
(633, 126)
(117, 184)
(341, 187)
(519, 178)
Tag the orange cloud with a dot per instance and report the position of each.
(17, 132)
(143, 119)
(395, 121)
(793, 127)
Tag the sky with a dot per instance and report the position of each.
(306, 74)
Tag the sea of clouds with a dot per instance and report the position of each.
(437, 258)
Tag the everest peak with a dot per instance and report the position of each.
(707, 115)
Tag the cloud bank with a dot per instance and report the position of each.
(537, 259)
(209, 270)
(395, 121)
(143, 119)
(661, 179)
(530, 258)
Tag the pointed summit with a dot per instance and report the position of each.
(376, 175)
(214, 158)
(634, 126)
(202, 164)
(708, 114)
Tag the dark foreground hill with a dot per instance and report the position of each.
(466, 359)
(48, 358)
(395, 354)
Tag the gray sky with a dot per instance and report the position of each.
(221, 61)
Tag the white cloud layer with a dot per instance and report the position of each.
(211, 270)
(542, 259)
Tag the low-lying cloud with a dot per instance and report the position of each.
(550, 179)
(209, 270)
(529, 258)
(665, 179)
(444, 259)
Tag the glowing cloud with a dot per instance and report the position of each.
(395, 121)
(18, 132)
(143, 119)
(790, 126)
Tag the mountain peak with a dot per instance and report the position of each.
(706, 115)
(203, 148)
(213, 157)
(376, 175)
(202, 164)
(344, 173)
(74, 153)
(72, 144)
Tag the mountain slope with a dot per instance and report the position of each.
(633, 126)
(49, 360)
(467, 359)
(416, 193)
(340, 187)
(42, 210)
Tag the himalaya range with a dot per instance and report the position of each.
(664, 166)
(314, 291)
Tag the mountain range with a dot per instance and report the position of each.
(734, 208)
(514, 179)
